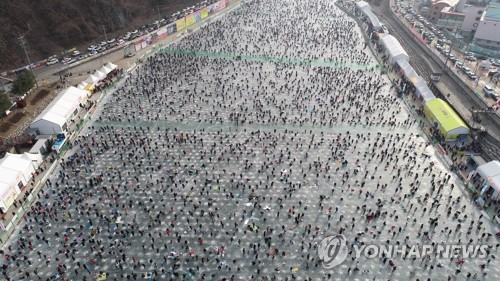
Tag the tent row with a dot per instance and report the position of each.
(94, 78)
(439, 113)
(16, 170)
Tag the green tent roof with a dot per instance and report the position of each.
(445, 115)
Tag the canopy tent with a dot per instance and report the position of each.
(82, 85)
(55, 117)
(393, 49)
(89, 87)
(99, 75)
(407, 69)
(363, 6)
(111, 66)
(444, 118)
(377, 25)
(422, 90)
(91, 79)
(104, 69)
(489, 170)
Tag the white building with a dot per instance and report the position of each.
(56, 117)
(488, 29)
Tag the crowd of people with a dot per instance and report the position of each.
(207, 168)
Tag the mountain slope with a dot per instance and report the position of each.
(54, 25)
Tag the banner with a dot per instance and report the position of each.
(197, 16)
(180, 24)
(138, 46)
(162, 33)
(190, 20)
(215, 7)
(204, 13)
(171, 29)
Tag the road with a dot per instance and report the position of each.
(424, 61)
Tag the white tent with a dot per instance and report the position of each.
(363, 6)
(407, 69)
(91, 79)
(104, 69)
(99, 75)
(16, 170)
(55, 117)
(489, 170)
(422, 90)
(20, 163)
(9, 187)
(111, 66)
(82, 85)
(377, 25)
(393, 49)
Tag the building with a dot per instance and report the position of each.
(437, 7)
(443, 118)
(56, 117)
(488, 29)
(472, 17)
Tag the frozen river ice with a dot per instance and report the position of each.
(234, 151)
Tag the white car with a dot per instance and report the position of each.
(121, 41)
(103, 43)
(76, 53)
(92, 48)
(52, 61)
(488, 90)
(111, 41)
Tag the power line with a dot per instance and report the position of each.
(22, 43)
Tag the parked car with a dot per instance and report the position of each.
(471, 75)
(92, 48)
(488, 90)
(76, 53)
(52, 61)
(470, 58)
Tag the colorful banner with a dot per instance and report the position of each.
(190, 20)
(180, 24)
(171, 29)
(204, 13)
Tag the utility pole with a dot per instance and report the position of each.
(22, 43)
(105, 35)
(159, 16)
